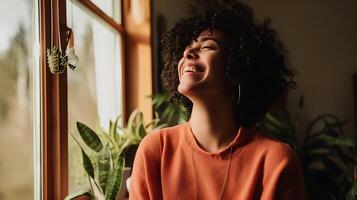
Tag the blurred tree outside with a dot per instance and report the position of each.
(16, 135)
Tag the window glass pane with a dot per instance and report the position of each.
(110, 7)
(16, 99)
(94, 87)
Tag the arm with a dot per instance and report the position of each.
(283, 177)
(146, 179)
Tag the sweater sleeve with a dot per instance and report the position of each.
(283, 177)
(145, 178)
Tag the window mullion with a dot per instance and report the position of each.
(54, 107)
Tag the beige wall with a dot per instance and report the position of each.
(321, 36)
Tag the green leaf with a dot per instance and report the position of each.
(127, 143)
(320, 151)
(113, 132)
(131, 124)
(115, 179)
(352, 193)
(89, 137)
(316, 166)
(338, 162)
(78, 194)
(110, 140)
(336, 123)
(329, 127)
(142, 131)
(110, 126)
(138, 120)
(159, 100)
(325, 140)
(274, 120)
(87, 164)
(103, 166)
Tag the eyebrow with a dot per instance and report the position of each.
(205, 38)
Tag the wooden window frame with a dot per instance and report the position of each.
(54, 92)
(53, 109)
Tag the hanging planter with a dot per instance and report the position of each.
(57, 57)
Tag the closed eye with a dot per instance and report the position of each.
(209, 47)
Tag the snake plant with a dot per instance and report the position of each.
(104, 160)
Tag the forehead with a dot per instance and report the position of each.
(211, 34)
(206, 35)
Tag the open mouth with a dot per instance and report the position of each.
(193, 69)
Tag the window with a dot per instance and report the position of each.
(99, 38)
(19, 100)
(95, 86)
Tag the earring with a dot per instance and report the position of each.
(234, 94)
(239, 91)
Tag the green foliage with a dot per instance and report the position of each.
(87, 164)
(89, 137)
(115, 177)
(78, 194)
(327, 157)
(168, 113)
(104, 164)
(352, 194)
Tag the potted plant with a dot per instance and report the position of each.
(104, 154)
(328, 158)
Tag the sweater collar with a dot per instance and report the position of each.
(242, 137)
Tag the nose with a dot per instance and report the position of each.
(190, 53)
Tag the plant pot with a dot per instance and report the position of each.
(123, 192)
(130, 152)
(84, 197)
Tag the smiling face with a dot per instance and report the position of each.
(201, 68)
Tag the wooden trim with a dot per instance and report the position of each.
(54, 99)
(102, 15)
(123, 82)
(54, 109)
(138, 59)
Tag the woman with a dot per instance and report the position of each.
(227, 70)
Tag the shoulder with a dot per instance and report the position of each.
(273, 151)
(172, 132)
(154, 141)
(281, 169)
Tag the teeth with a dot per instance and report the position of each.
(193, 69)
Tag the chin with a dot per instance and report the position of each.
(182, 90)
(189, 90)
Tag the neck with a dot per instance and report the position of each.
(213, 123)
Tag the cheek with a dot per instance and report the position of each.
(179, 66)
(219, 64)
(218, 72)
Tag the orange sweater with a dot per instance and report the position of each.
(170, 165)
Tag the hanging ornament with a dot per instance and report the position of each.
(71, 55)
(56, 56)
(56, 60)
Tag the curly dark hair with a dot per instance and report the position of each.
(255, 57)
